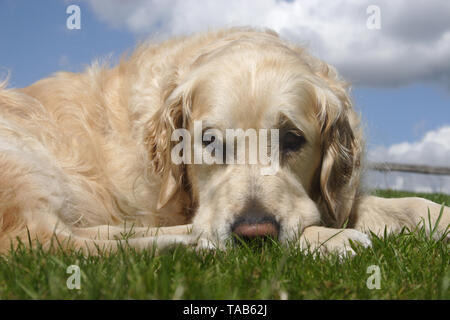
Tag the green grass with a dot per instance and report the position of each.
(412, 266)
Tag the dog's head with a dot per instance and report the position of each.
(292, 107)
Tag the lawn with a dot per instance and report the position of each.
(411, 266)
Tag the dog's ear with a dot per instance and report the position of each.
(342, 146)
(173, 114)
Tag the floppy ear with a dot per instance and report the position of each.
(342, 148)
(172, 115)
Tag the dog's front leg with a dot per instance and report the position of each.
(329, 240)
(141, 238)
(106, 232)
(377, 214)
(91, 246)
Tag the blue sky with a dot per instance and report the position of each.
(406, 113)
(36, 43)
(35, 39)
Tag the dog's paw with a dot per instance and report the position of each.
(196, 243)
(204, 244)
(327, 240)
(169, 241)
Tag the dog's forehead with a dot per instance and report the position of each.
(251, 98)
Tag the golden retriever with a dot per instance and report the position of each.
(86, 159)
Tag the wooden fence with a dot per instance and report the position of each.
(387, 166)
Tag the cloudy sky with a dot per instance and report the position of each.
(400, 71)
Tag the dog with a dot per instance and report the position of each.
(88, 157)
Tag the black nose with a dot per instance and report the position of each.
(255, 223)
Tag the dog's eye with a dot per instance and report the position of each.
(293, 141)
(208, 139)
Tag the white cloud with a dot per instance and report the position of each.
(433, 149)
(412, 45)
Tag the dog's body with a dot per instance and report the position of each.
(82, 155)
